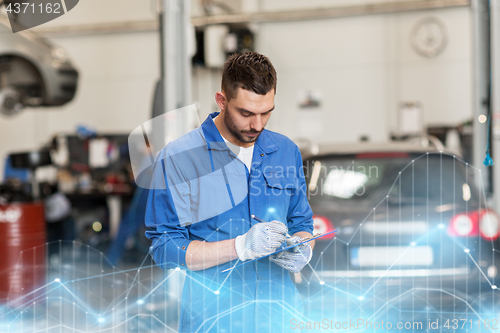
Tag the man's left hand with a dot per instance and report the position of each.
(295, 258)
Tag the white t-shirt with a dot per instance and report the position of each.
(244, 154)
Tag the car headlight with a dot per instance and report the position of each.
(59, 55)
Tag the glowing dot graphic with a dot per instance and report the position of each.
(271, 210)
(216, 292)
(57, 280)
(481, 118)
(177, 269)
(466, 250)
(413, 243)
(321, 282)
(441, 226)
(493, 287)
(97, 226)
(140, 302)
(101, 320)
(361, 298)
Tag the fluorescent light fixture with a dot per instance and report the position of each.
(466, 192)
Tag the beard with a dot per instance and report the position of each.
(240, 135)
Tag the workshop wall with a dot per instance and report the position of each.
(360, 67)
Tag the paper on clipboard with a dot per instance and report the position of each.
(281, 250)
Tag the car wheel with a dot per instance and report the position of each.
(10, 101)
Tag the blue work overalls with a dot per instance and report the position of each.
(201, 191)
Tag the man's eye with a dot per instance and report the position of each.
(246, 114)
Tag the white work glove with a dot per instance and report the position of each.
(262, 239)
(295, 258)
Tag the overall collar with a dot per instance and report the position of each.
(214, 140)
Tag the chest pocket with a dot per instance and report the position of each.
(281, 180)
(279, 188)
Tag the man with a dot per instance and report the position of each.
(206, 186)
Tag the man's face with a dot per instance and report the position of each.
(246, 115)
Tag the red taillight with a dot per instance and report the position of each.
(484, 222)
(323, 225)
(489, 225)
(464, 225)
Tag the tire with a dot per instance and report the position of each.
(10, 101)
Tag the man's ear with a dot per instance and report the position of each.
(220, 99)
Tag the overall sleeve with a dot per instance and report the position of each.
(299, 216)
(168, 214)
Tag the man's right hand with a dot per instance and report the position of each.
(262, 239)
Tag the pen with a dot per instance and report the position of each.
(258, 219)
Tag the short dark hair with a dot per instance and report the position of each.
(251, 71)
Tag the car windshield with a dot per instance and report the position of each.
(366, 179)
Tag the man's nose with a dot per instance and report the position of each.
(256, 124)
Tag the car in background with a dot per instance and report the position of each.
(407, 216)
(33, 71)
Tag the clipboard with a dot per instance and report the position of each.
(305, 240)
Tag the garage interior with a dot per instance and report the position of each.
(403, 88)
